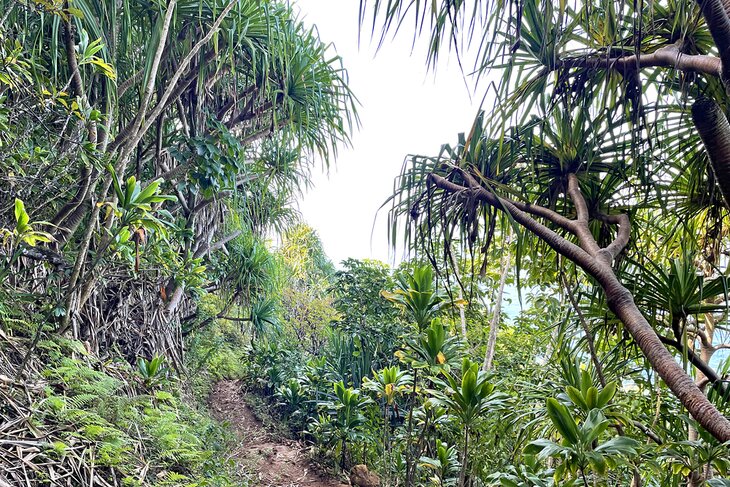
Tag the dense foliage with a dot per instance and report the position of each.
(150, 158)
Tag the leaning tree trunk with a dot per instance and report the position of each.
(714, 130)
(598, 263)
(621, 302)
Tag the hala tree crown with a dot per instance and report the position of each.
(608, 139)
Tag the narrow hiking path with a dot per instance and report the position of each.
(276, 462)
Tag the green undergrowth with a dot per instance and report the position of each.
(221, 351)
(267, 412)
(215, 351)
(141, 429)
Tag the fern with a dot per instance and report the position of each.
(85, 404)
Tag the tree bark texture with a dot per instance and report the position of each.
(714, 129)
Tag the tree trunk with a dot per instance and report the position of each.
(636, 479)
(707, 350)
(714, 130)
(496, 314)
(597, 262)
(409, 454)
(462, 317)
(464, 458)
(621, 302)
(716, 17)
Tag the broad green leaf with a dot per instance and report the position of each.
(21, 216)
(606, 395)
(562, 420)
(577, 398)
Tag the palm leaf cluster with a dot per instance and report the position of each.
(603, 146)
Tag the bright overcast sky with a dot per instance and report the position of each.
(405, 109)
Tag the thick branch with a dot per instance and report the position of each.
(263, 133)
(581, 209)
(233, 318)
(189, 79)
(249, 113)
(539, 211)
(233, 101)
(667, 56)
(216, 246)
(582, 231)
(719, 24)
(558, 243)
(697, 362)
(623, 234)
(84, 179)
(77, 85)
(128, 83)
(44, 254)
(621, 302)
(714, 130)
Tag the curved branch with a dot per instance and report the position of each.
(623, 234)
(581, 208)
(583, 232)
(667, 56)
(621, 302)
(565, 223)
(521, 214)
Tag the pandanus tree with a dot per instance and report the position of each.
(225, 102)
(608, 117)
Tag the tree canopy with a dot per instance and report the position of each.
(150, 153)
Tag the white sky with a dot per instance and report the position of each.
(404, 109)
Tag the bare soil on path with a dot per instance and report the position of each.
(275, 462)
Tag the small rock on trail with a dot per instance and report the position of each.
(362, 477)
(276, 462)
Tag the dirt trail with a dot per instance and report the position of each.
(276, 462)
